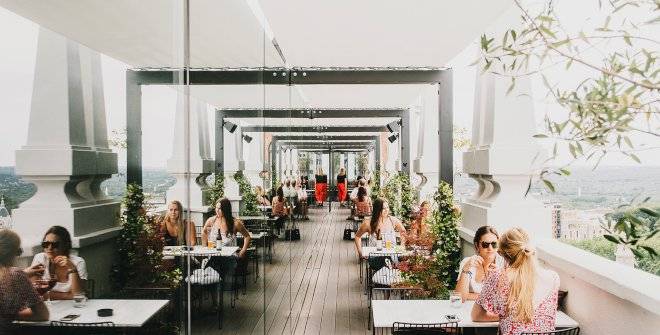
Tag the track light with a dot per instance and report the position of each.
(394, 126)
(247, 138)
(392, 138)
(231, 127)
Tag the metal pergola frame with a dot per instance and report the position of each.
(136, 78)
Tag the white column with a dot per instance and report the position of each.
(254, 161)
(351, 165)
(232, 166)
(191, 168)
(294, 163)
(501, 159)
(66, 155)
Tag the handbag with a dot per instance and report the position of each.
(348, 232)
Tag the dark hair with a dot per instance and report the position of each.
(64, 237)
(483, 230)
(377, 209)
(362, 192)
(288, 183)
(280, 194)
(10, 247)
(225, 209)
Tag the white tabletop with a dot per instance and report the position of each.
(125, 313)
(253, 235)
(399, 250)
(199, 250)
(386, 312)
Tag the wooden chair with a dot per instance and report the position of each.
(426, 328)
(568, 331)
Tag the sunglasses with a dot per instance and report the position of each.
(46, 244)
(485, 245)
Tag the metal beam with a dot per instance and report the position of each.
(333, 144)
(249, 76)
(306, 137)
(313, 113)
(311, 129)
(303, 76)
(133, 130)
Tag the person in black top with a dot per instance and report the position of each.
(321, 186)
(342, 186)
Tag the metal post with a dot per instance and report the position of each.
(445, 129)
(219, 144)
(273, 161)
(404, 140)
(133, 129)
(330, 178)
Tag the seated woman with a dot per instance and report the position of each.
(222, 228)
(418, 226)
(69, 270)
(302, 199)
(18, 298)
(261, 196)
(380, 224)
(472, 271)
(522, 295)
(280, 208)
(172, 226)
(362, 203)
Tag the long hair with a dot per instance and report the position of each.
(64, 237)
(362, 192)
(225, 209)
(483, 230)
(179, 221)
(10, 246)
(319, 171)
(287, 183)
(377, 209)
(342, 171)
(280, 194)
(515, 248)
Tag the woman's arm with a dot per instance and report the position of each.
(364, 228)
(463, 283)
(205, 235)
(77, 283)
(479, 314)
(191, 233)
(38, 312)
(402, 231)
(246, 237)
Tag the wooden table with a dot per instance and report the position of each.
(126, 313)
(386, 312)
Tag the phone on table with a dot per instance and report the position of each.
(451, 317)
(70, 317)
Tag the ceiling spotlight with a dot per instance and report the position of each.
(231, 127)
(394, 126)
(247, 138)
(392, 138)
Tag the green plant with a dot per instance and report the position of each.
(605, 248)
(375, 185)
(140, 246)
(304, 162)
(362, 163)
(216, 191)
(436, 273)
(249, 204)
(632, 225)
(400, 195)
(618, 94)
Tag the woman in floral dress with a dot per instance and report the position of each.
(522, 296)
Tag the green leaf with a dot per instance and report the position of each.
(649, 212)
(540, 136)
(626, 38)
(560, 43)
(565, 172)
(547, 31)
(650, 250)
(612, 239)
(549, 185)
(635, 158)
(545, 18)
(654, 20)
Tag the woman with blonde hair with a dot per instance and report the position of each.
(18, 298)
(342, 186)
(321, 186)
(261, 196)
(172, 226)
(522, 296)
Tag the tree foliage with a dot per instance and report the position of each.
(618, 96)
(216, 191)
(400, 195)
(249, 204)
(633, 225)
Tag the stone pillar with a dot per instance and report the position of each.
(501, 159)
(191, 166)
(67, 155)
(351, 165)
(254, 162)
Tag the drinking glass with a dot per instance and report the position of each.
(455, 299)
(210, 244)
(79, 300)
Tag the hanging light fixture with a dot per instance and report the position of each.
(231, 127)
(247, 138)
(392, 138)
(394, 126)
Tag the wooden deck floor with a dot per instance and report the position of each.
(312, 287)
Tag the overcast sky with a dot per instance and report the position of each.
(18, 38)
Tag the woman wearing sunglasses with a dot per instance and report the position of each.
(69, 271)
(473, 270)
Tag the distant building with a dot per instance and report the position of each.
(582, 224)
(556, 219)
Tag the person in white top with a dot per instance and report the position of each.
(56, 262)
(474, 270)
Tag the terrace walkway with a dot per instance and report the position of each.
(320, 287)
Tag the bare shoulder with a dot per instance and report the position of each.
(209, 221)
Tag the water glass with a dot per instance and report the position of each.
(455, 299)
(79, 300)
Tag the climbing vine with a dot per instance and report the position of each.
(216, 191)
(249, 204)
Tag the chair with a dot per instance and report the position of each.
(200, 281)
(90, 328)
(425, 328)
(392, 293)
(568, 331)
